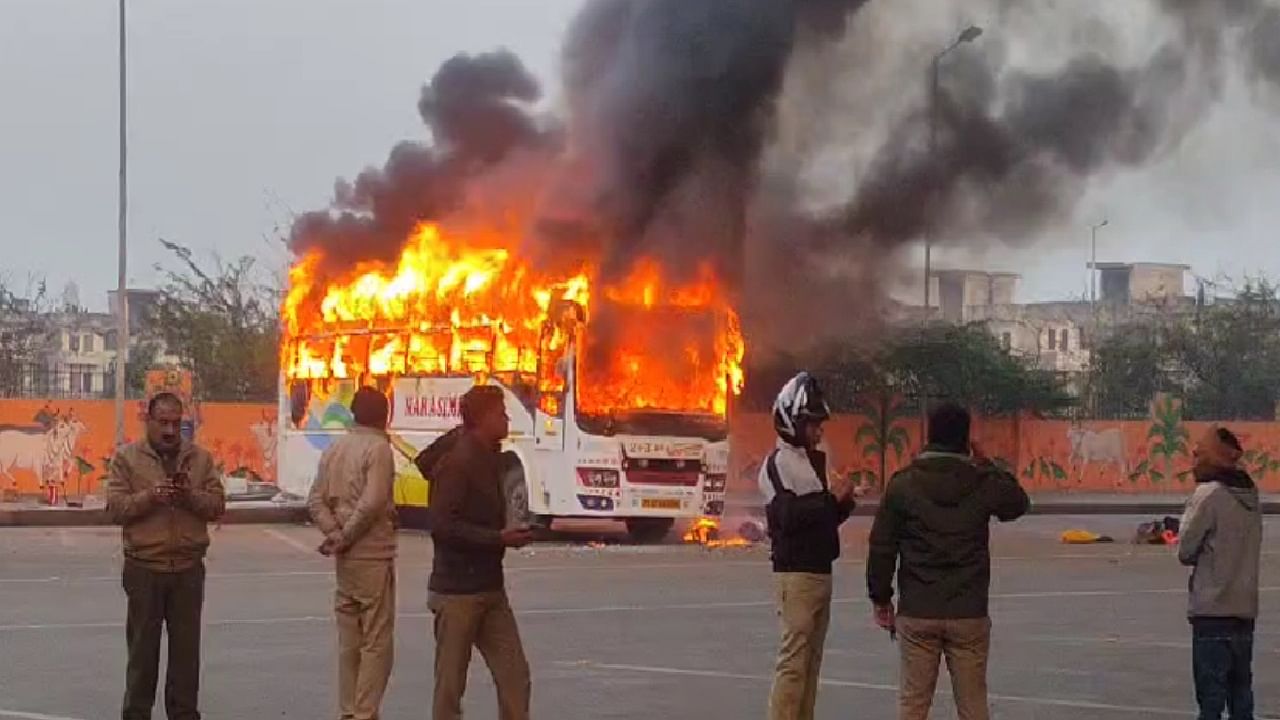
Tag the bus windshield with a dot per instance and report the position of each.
(653, 371)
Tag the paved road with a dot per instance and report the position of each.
(618, 631)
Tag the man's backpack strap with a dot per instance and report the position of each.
(771, 469)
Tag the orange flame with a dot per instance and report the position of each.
(450, 307)
(706, 532)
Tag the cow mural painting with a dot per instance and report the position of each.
(45, 448)
(1049, 456)
(54, 451)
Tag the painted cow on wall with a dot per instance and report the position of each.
(1098, 446)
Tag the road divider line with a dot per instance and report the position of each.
(884, 687)
(291, 542)
(603, 609)
(20, 715)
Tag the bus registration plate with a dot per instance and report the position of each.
(659, 504)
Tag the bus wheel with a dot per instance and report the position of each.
(649, 530)
(516, 493)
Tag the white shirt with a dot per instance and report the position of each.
(794, 470)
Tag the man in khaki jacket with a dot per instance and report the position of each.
(164, 491)
(352, 503)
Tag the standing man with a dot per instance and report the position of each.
(352, 502)
(470, 531)
(164, 490)
(804, 513)
(1221, 537)
(933, 528)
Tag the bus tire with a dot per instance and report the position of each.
(516, 492)
(649, 530)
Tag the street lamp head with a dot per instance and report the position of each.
(1103, 223)
(971, 33)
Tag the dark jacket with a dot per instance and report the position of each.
(467, 514)
(933, 527)
(804, 517)
(1221, 537)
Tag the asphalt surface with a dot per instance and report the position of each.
(618, 631)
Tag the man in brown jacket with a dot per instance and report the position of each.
(164, 491)
(467, 590)
(352, 502)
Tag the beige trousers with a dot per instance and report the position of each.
(483, 621)
(365, 605)
(804, 608)
(965, 643)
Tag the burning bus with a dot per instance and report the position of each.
(619, 393)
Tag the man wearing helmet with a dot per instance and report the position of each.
(804, 512)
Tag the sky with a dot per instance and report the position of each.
(243, 112)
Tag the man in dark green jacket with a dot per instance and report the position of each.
(933, 529)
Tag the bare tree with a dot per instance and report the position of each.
(222, 322)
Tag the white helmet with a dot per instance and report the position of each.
(800, 401)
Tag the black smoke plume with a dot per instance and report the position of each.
(672, 102)
(478, 111)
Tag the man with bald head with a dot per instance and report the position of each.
(1221, 538)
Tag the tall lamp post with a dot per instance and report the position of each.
(122, 299)
(969, 34)
(1093, 264)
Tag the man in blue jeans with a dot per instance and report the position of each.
(1221, 537)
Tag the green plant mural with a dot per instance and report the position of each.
(1260, 463)
(1168, 438)
(1044, 469)
(879, 433)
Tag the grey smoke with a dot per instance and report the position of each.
(478, 109)
(1016, 150)
(672, 104)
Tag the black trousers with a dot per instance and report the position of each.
(160, 601)
(1222, 665)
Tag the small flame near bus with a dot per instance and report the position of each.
(706, 532)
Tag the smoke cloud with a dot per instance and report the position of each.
(671, 104)
(690, 124)
(1015, 150)
(478, 109)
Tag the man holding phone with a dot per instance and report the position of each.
(164, 491)
(471, 531)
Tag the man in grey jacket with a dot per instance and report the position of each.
(1221, 537)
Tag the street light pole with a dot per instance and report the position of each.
(970, 34)
(122, 299)
(1093, 266)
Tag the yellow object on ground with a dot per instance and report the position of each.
(1080, 537)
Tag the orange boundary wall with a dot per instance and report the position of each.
(1059, 456)
(1139, 457)
(36, 452)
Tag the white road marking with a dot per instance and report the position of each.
(882, 687)
(19, 715)
(599, 609)
(291, 542)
